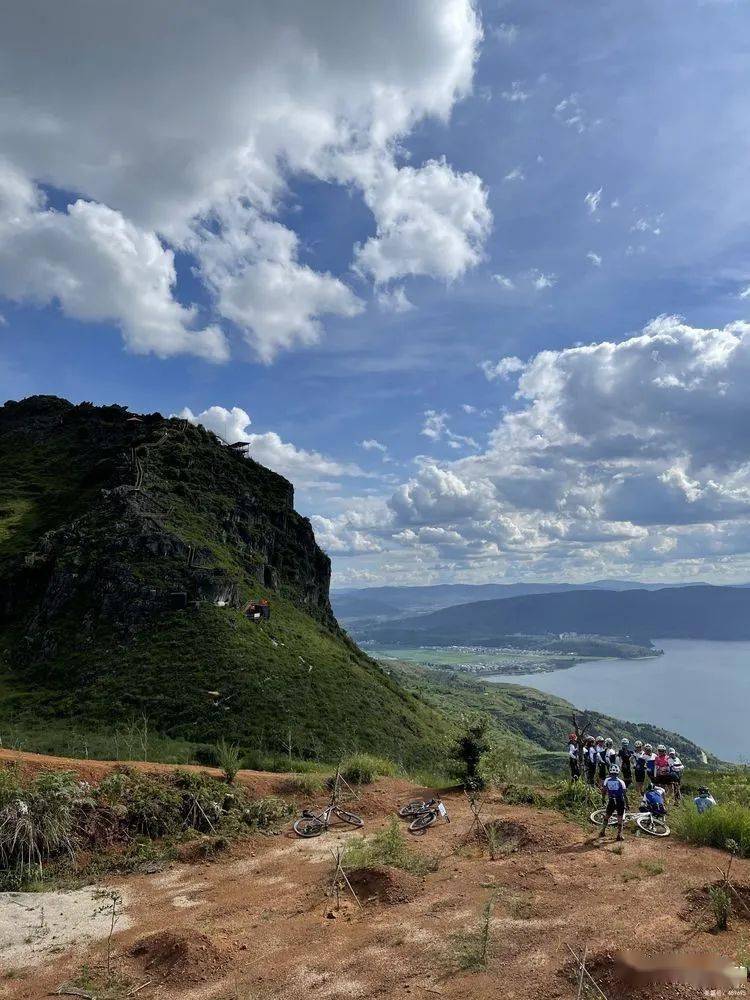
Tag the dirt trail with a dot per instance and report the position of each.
(257, 924)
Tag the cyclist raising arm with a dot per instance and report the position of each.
(617, 800)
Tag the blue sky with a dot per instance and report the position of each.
(336, 227)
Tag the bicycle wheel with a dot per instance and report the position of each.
(652, 825)
(351, 818)
(308, 826)
(422, 821)
(411, 808)
(597, 817)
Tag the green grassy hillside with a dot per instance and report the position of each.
(128, 546)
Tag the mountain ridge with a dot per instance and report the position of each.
(699, 612)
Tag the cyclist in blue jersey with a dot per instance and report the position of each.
(653, 801)
(704, 800)
(617, 800)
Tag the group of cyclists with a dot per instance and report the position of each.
(614, 772)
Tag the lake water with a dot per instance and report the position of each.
(698, 688)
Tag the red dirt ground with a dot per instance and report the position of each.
(258, 923)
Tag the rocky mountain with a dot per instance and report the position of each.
(129, 545)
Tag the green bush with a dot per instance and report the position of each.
(37, 822)
(303, 784)
(229, 758)
(468, 751)
(206, 756)
(522, 795)
(576, 798)
(363, 768)
(386, 847)
(721, 906)
(267, 812)
(148, 805)
(714, 827)
(504, 764)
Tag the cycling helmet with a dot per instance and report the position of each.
(608, 742)
(599, 739)
(672, 752)
(626, 743)
(703, 791)
(639, 744)
(659, 789)
(614, 769)
(648, 746)
(661, 748)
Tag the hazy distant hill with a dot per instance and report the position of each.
(387, 603)
(696, 612)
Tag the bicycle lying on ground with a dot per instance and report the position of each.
(424, 815)
(416, 806)
(645, 821)
(312, 824)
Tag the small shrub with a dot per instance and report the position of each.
(472, 947)
(522, 795)
(721, 906)
(363, 768)
(304, 784)
(386, 847)
(267, 812)
(206, 756)
(148, 806)
(503, 764)
(229, 758)
(715, 827)
(576, 798)
(36, 822)
(468, 751)
(652, 867)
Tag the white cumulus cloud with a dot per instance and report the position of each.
(195, 147)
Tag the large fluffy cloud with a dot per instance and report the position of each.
(98, 266)
(618, 457)
(302, 467)
(187, 124)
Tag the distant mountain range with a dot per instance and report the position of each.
(694, 612)
(388, 603)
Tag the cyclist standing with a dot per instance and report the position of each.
(650, 758)
(589, 760)
(626, 755)
(662, 767)
(601, 762)
(617, 800)
(639, 766)
(575, 767)
(677, 768)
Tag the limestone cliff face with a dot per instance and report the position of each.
(108, 519)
